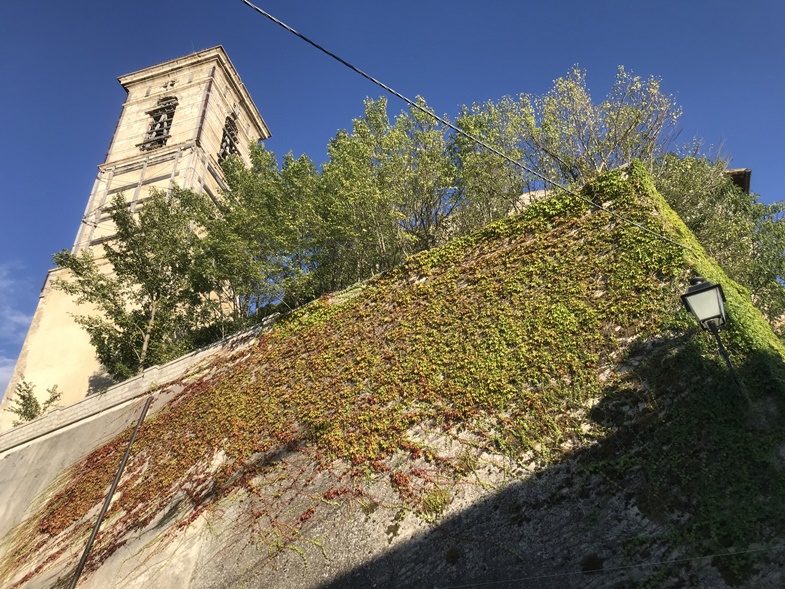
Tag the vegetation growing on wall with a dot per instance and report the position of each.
(26, 406)
(553, 335)
(285, 235)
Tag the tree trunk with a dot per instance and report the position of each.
(146, 341)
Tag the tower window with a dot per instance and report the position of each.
(229, 140)
(160, 125)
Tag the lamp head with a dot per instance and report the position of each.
(705, 301)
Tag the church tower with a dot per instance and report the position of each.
(179, 120)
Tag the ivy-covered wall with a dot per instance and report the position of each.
(551, 340)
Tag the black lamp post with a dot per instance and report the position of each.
(705, 301)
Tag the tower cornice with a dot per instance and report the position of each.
(216, 54)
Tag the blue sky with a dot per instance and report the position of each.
(59, 99)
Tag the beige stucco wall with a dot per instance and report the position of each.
(56, 351)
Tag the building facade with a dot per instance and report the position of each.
(179, 120)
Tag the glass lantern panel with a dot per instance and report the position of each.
(706, 304)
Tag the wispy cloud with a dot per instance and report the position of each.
(6, 370)
(13, 324)
(15, 291)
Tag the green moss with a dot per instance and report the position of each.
(435, 502)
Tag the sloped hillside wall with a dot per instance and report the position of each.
(525, 407)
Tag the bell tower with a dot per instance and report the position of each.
(180, 119)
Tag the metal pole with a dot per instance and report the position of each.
(109, 495)
(724, 353)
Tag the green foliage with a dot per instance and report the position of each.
(259, 248)
(744, 235)
(25, 404)
(581, 138)
(388, 190)
(564, 135)
(435, 502)
(423, 178)
(391, 189)
(151, 299)
(359, 208)
(285, 236)
(490, 187)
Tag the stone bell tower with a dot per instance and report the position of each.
(179, 120)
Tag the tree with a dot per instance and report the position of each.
(562, 135)
(768, 277)
(359, 201)
(490, 187)
(423, 176)
(259, 248)
(570, 138)
(147, 290)
(242, 240)
(386, 193)
(302, 229)
(27, 406)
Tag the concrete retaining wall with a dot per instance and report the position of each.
(119, 394)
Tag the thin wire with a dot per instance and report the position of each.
(460, 131)
(608, 570)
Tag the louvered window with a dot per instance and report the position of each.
(229, 140)
(160, 125)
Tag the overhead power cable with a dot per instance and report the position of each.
(460, 131)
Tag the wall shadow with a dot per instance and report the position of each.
(99, 382)
(689, 474)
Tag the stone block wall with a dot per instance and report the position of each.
(119, 395)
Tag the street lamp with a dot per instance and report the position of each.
(705, 301)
